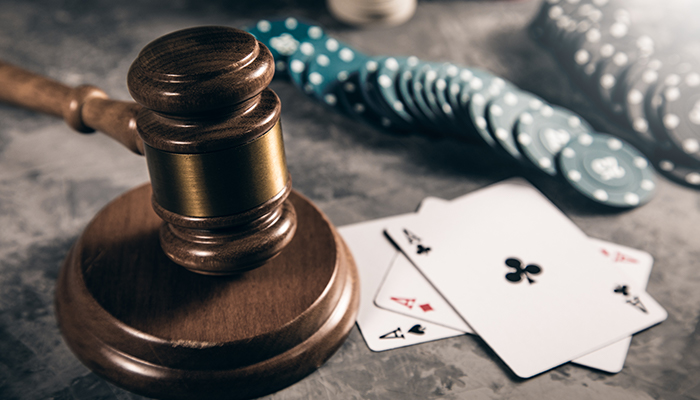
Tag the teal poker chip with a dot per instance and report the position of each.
(330, 66)
(298, 66)
(655, 97)
(460, 89)
(446, 74)
(283, 37)
(483, 91)
(478, 81)
(429, 84)
(454, 89)
(417, 86)
(607, 170)
(370, 91)
(672, 169)
(637, 81)
(353, 102)
(387, 83)
(502, 114)
(405, 84)
(680, 118)
(542, 133)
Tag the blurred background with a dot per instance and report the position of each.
(53, 181)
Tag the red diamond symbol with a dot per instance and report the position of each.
(426, 307)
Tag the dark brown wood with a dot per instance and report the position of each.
(84, 108)
(152, 327)
(238, 242)
(124, 306)
(197, 70)
(212, 79)
(204, 91)
(115, 118)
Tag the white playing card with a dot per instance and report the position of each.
(406, 291)
(637, 265)
(382, 329)
(525, 278)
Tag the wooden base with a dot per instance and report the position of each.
(148, 325)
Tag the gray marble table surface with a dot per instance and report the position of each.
(53, 181)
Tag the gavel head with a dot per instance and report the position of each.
(213, 145)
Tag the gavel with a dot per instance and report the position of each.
(268, 291)
(209, 128)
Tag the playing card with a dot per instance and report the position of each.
(525, 278)
(406, 291)
(637, 265)
(382, 329)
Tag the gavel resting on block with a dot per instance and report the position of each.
(268, 290)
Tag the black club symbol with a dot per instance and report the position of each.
(622, 289)
(515, 276)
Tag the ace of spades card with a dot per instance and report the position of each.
(525, 278)
(373, 254)
(405, 291)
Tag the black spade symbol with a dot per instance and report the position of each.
(417, 330)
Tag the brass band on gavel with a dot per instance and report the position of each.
(219, 183)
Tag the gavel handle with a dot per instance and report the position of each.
(84, 108)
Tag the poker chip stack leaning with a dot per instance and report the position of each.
(406, 94)
(372, 12)
(638, 60)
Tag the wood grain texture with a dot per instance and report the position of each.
(204, 92)
(235, 126)
(148, 325)
(229, 244)
(84, 108)
(353, 171)
(196, 70)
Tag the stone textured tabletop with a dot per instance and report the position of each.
(52, 181)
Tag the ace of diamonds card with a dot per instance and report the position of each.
(525, 278)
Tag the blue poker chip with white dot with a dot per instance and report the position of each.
(431, 84)
(350, 99)
(502, 114)
(370, 91)
(454, 87)
(607, 170)
(541, 134)
(671, 168)
(417, 89)
(404, 82)
(386, 80)
(329, 67)
(446, 74)
(298, 66)
(283, 37)
(484, 89)
(680, 118)
(459, 90)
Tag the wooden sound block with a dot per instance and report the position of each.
(148, 325)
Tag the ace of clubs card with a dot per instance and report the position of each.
(524, 278)
(405, 291)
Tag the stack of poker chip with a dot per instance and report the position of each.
(405, 94)
(372, 12)
(638, 72)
